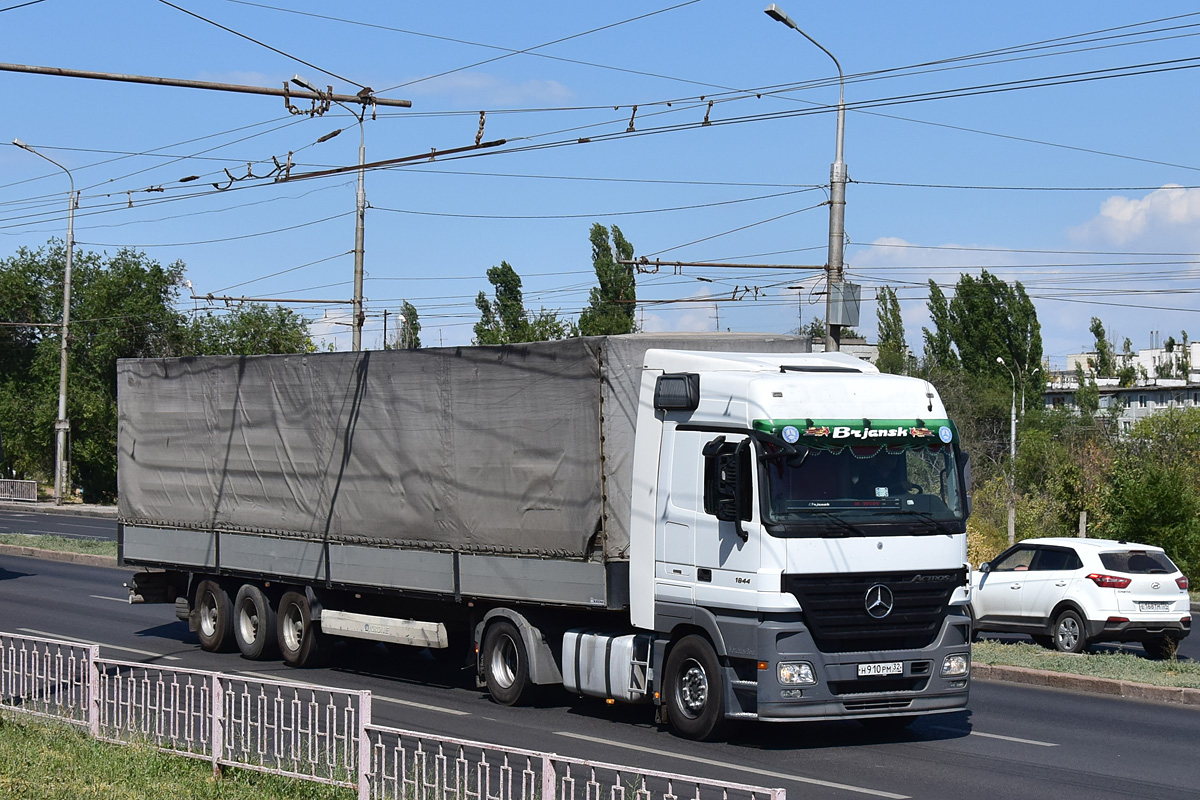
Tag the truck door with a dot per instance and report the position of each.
(680, 499)
(727, 553)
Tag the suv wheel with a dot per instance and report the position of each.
(1068, 633)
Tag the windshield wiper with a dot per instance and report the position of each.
(939, 525)
(845, 525)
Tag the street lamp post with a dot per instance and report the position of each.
(1012, 457)
(360, 207)
(837, 192)
(62, 426)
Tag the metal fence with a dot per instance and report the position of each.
(407, 765)
(18, 490)
(308, 732)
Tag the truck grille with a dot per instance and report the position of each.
(835, 608)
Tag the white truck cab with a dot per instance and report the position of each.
(804, 516)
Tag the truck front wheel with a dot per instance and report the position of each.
(300, 643)
(254, 624)
(505, 663)
(214, 614)
(695, 696)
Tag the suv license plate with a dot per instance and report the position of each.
(1155, 606)
(881, 668)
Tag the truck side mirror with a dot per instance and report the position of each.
(728, 482)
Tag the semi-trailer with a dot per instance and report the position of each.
(718, 526)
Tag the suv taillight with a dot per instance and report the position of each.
(1183, 582)
(1109, 581)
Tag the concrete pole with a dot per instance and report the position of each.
(62, 480)
(62, 425)
(359, 236)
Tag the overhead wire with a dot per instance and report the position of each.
(261, 43)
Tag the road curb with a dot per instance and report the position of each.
(1086, 683)
(73, 509)
(58, 555)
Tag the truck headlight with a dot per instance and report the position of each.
(954, 666)
(796, 673)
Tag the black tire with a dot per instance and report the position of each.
(695, 694)
(505, 663)
(300, 642)
(1161, 648)
(1069, 633)
(254, 626)
(1043, 640)
(214, 617)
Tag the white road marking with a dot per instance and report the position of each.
(424, 706)
(374, 697)
(50, 635)
(752, 770)
(123, 600)
(1033, 742)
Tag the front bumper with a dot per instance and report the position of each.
(839, 692)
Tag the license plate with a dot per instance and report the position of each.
(1155, 606)
(881, 668)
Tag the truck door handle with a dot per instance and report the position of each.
(1014, 586)
(1061, 583)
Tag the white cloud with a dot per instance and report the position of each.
(1167, 214)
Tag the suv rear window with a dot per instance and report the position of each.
(1138, 562)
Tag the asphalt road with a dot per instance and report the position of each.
(1014, 741)
(68, 525)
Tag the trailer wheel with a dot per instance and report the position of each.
(214, 614)
(254, 625)
(505, 663)
(300, 642)
(695, 695)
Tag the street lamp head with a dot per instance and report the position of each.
(1000, 360)
(20, 144)
(303, 84)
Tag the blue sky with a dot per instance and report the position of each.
(1078, 204)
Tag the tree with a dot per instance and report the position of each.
(939, 344)
(1104, 364)
(612, 303)
(248, 329)
(816, 330)
(504, 320)
(893, 350)
(408, 329)
(121, 307)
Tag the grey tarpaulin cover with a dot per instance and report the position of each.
(485, 449)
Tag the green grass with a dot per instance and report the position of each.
(41, 760)
(96, 547)
(1118, 666)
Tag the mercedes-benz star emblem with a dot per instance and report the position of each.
(879, 601)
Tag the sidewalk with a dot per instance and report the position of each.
(48, 507)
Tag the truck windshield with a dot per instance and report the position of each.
(910, 488)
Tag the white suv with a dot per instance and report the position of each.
(1070, 593)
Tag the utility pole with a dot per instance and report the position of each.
(62, 426)
(837, 205)
(385, 316)
(1012, 458)
(360, 212)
